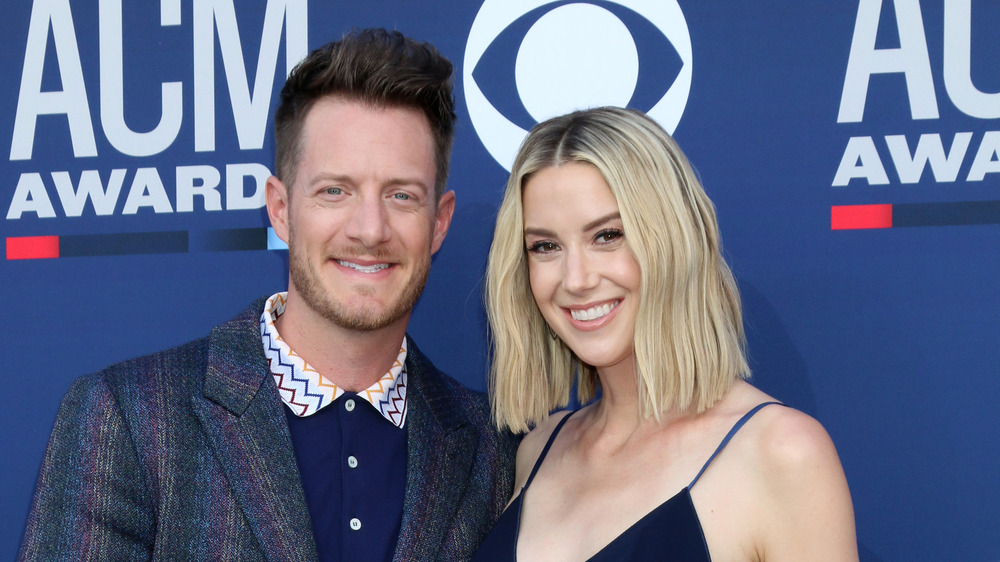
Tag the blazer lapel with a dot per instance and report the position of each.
(440, 454)
(242, 415)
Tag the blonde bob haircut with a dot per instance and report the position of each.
(689, 340)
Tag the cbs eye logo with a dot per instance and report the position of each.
(528, 60)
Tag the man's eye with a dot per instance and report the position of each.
(402, 196)
(334, 191)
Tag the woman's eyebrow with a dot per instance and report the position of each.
(598, 222)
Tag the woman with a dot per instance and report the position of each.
(606, 263)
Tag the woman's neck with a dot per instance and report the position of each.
(618, 415)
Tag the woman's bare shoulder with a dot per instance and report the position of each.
(792, 444)
(807, 503)
(782, 437)
(532, 444)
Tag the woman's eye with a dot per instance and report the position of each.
(609, 235)
(542, 247)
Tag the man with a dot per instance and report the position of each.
(309, 426)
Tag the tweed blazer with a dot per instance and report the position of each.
(186, 455)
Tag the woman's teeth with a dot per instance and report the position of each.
(593, 313)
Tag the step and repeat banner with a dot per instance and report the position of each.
(852, 149)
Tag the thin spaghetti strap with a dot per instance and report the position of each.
(736, 427)
(545, 451)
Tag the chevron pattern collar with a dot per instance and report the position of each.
(306, 392)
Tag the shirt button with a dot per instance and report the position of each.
(352, 461)
(349, 406)
(356, 524)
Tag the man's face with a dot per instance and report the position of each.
(360, 219)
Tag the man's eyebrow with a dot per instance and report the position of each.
(326, 176)
(346, 178)
(407, 181)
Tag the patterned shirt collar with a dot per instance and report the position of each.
(306, 392)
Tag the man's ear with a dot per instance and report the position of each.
(276, 194)
(442, 219)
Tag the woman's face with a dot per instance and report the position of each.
(582, 274)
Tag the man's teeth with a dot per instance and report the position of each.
(363, 268)
(593, 313)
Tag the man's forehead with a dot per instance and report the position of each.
(354, 142)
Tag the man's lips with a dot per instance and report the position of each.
(373, 267)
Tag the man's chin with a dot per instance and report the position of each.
(355, 304)
(363, 310)
(367, 318)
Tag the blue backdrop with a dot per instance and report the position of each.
(849, 147)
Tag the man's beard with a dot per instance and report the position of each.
(309, 285)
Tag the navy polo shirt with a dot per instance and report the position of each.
(353, 467)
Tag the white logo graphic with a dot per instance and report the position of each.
(574, 56)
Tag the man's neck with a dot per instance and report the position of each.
(352, 359)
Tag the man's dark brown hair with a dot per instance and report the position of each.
(371, 66)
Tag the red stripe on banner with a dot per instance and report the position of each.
(32, 247)
(852, 217)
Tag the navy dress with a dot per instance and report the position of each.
(671, 531)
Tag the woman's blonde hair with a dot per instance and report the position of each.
(689, 340)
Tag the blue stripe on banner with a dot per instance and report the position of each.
(168, 242)
(229, 240)
(81, 245)
(946, 214)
